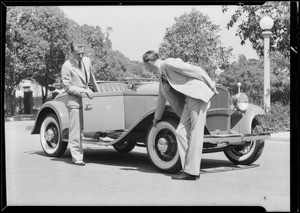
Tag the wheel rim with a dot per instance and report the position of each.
(165, 145)
(243, 152)
(240, 151)
(50, 136)
(162, 146)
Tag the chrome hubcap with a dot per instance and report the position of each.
(49, 135)
(165, 145)
(162, 145)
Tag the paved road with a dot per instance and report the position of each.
(110, 178)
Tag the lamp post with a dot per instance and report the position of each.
(266, 24)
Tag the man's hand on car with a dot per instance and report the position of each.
(89, 93)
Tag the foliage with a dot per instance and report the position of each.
(194, 39)
(108, 64)
(15, 51)
(111, 67)
(251, 74)
(280, 78)
(38, 43)
(278, 118)
(35, 43)
(248, 17)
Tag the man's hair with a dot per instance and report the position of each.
(74, 42)
(150, 55)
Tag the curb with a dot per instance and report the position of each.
(21, 118)
(280, 136)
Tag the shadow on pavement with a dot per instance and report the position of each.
(216, 166)
(66, 158)
(137, 161)
(132, 161)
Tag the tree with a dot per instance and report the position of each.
(107, 64)
(250, 74)
(49, 45)
(37, 39)
(248, 17)
(111, 67)
(194, 39)
(15, 54)
(280, 78)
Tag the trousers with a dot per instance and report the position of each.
(189, 134)
(75, 133)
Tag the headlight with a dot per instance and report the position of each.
(240, 101)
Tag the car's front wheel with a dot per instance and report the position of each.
(249, 153)
(162, 146)
(50, 137)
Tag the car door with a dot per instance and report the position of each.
(103, 113)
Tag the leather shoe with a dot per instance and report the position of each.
(185, 176)
(79, 163)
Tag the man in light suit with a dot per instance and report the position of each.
(188, 89)
(76, 77)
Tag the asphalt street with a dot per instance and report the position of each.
(110, 178)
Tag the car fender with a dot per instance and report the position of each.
(60, 110)
(139, 130)
(242, 123)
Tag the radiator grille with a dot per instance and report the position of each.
(217, 120)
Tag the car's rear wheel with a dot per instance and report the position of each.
(249, 153)
(162, 146)
(124, 147)
(50, 137)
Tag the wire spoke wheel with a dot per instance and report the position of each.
(250, 152)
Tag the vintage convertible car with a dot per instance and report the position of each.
(123, 112)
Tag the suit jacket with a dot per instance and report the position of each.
(183, 79)
(75, 82)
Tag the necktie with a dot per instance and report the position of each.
(79, 64)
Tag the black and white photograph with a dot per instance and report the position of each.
(148, 105)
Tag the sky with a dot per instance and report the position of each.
(137, 29)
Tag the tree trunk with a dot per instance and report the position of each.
(10, 105)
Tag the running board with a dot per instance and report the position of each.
(229, 139)
(97, 141)
(235, 139)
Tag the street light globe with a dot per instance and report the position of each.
(266, 23)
